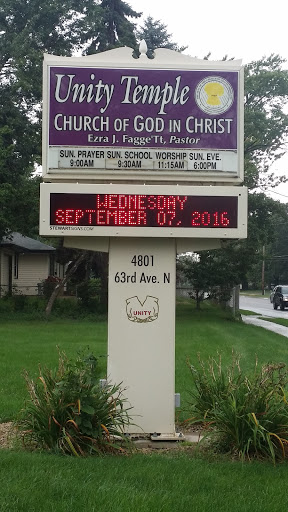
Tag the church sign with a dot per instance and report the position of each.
(142, 122)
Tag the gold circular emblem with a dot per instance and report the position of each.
(214, 95)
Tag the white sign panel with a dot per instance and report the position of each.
(75, 159)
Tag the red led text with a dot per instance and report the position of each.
(140, 210)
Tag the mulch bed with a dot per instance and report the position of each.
(7, 432)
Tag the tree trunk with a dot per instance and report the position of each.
(198, 299)
(59, 287)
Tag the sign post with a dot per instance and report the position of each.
(143, 224)
(141, 329)
(141, 157)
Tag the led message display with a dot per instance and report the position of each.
(143, 210)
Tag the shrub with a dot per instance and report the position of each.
(89, 293)
(16, 303)
(6, 305)
(35, 304)
(247, 415)
(69, 411)
(46, 287)
(66, 307)
(20, 302)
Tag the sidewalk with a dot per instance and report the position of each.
(279, 329)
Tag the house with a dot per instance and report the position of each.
(24, 263)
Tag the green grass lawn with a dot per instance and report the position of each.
(24, 345)
(208, 334)
(280, 321)
(140, 483)
(178, 480)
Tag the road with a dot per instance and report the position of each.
(261, 306)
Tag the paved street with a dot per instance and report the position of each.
(261, 306)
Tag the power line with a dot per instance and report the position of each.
(272, 191)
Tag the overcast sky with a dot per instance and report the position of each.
(247, 30)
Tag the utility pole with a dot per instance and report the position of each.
(263, 271)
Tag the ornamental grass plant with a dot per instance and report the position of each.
(243, 414)
(69, 411)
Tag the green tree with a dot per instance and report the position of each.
(19, 149)
(27, 30)
(116, 29)
(155, 34)
(266, 122)
(274, 261)
(215, 272)
(265, 134)
(197, 272)
(218, 271)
